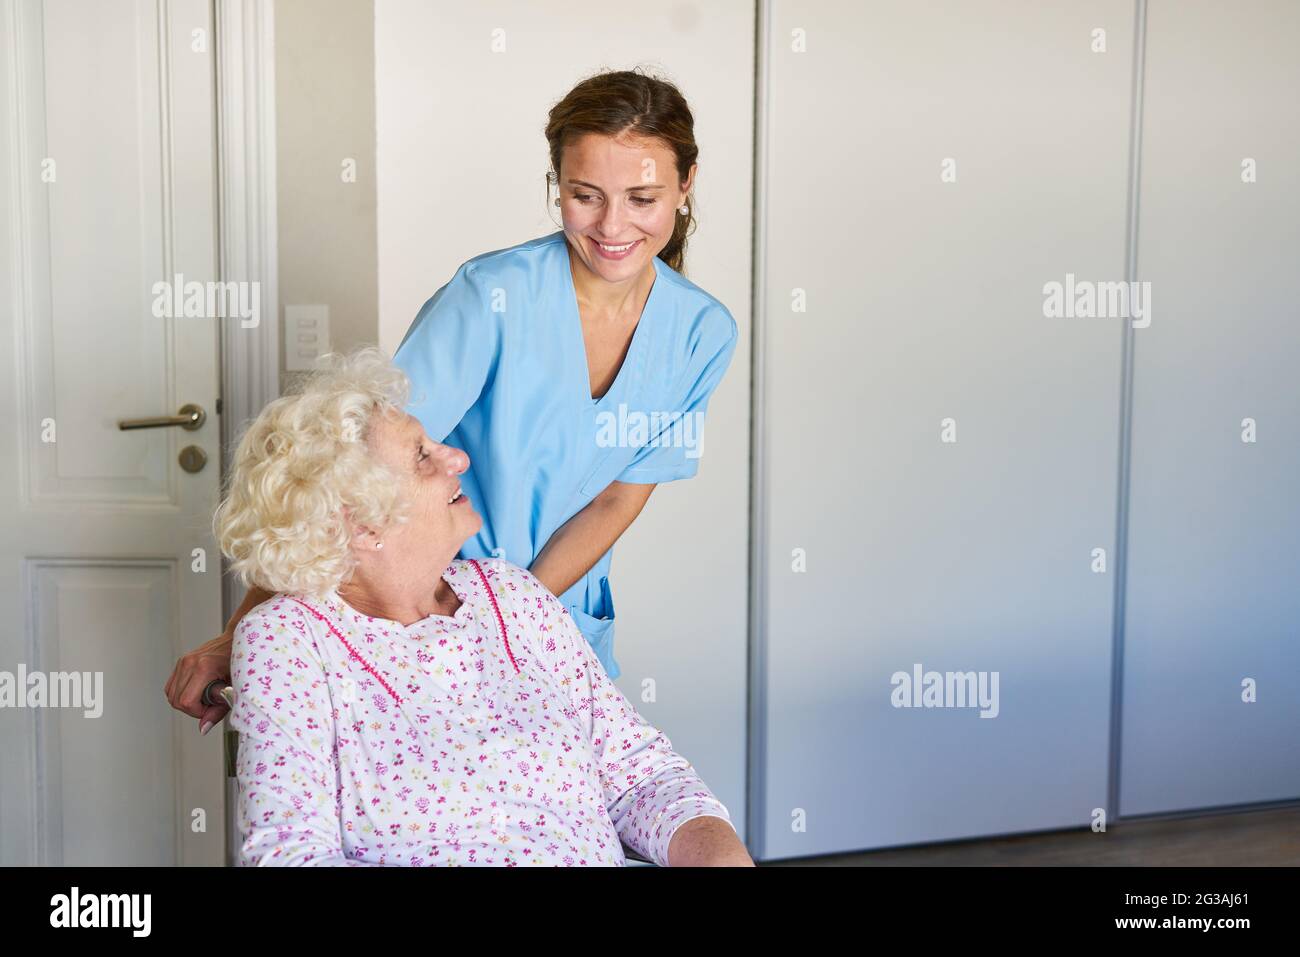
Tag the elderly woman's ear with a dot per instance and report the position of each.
(366, 539)
(362, 537)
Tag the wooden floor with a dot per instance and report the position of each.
(1238, 839)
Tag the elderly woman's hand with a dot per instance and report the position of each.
(194, 672)
(707, 842)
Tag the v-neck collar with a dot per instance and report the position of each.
(634, 357)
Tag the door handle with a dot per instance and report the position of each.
(189, 417)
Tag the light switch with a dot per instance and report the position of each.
(306, 336)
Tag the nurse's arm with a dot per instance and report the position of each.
(578, 544)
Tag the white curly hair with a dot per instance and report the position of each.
(303, 467)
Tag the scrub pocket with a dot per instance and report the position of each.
(598, 629)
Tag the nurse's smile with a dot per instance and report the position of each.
(617, 252)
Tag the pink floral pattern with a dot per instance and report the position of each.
(366, 742)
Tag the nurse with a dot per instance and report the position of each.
(572, 371)
(575, 369)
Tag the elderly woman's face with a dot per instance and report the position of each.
(438, 519)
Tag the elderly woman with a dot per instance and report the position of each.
(399, 707)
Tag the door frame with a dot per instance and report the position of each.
(247, 244)
(246, 219)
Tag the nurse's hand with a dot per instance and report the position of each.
(193, 673)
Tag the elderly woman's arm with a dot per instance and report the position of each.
(288, 774)
(707, 842)
(659, 805)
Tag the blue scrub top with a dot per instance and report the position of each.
(498, 368)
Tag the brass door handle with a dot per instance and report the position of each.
(189, 417)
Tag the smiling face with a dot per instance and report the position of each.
(619, 199)
(440, 519)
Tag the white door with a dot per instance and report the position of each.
(107, 563)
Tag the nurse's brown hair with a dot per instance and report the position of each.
(630, 102)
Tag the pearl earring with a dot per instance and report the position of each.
(379, 545)
(683, 209)
(557, 201)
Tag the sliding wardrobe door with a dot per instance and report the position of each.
(1211, 705)
(938, 457)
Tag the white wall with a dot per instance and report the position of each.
(325, 115)
(461, 164)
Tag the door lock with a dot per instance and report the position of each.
(193, 458)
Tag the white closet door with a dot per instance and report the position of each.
(895, 301)
(1214, 585)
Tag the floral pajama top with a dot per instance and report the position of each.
(367, 742)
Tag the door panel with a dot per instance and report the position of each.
(1213, 593)
(895, 301)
